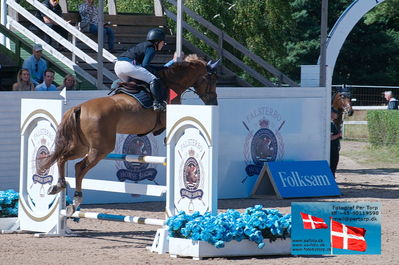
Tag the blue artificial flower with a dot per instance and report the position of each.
(254, 224)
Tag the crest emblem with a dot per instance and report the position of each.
(191, 176)
(136, 145)
(41, 139)
(263, 142)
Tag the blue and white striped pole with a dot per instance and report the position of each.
(116, 218)
(138, 158)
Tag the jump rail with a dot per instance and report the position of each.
(117, 218)
(138, 158)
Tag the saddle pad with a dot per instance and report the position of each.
(142, 96)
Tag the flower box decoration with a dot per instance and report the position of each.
(9, 203)
(230, 233)
(8, 209)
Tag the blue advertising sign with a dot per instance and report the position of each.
(294, 179)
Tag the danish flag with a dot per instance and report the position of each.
(313, 222)
(347, 237)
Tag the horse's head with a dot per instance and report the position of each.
(341, 101)
(192, 72)
(205, 86)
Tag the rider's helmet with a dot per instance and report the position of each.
(156, 35)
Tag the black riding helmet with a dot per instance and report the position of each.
(156, 35)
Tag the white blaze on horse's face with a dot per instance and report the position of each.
(342, 102)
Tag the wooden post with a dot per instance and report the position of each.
(220, 51)
(323, 40)
(158, 9)
(100, 35)
(3, 18)
(112, 7)
(64, 6)
(179, 30)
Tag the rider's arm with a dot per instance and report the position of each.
(148, 56)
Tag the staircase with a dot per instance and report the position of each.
(80, 55)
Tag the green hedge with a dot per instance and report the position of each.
(383, 127)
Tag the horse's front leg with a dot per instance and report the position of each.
(61, 184)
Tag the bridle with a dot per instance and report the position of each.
(206, 96)
(342, 96)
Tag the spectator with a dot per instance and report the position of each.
(174, 59)
(56, 8)
(47, 84)
(24, 82)
(89, 15)
(69, 83)
(36, 65)
(335, 145)
(392, 102)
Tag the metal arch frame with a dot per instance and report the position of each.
(343, 26)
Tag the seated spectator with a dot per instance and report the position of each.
(89, 15)
(392, 102)
(47, 84)
(56, 8)
(36, 65)
(69, 83)
(23, 81)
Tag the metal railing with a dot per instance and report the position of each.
(225, 54)
(11, 23)
(369, 95)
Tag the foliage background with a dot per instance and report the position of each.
(286, 34)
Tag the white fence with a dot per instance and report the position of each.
(294, 122)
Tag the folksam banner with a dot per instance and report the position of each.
(294, 179)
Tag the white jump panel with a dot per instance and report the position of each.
(192, 166)
(39, 120)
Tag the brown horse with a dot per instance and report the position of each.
(341, 101)
(89, 130)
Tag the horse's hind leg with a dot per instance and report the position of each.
(61, 184)
(81, 168)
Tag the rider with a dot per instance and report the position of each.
(135, 63)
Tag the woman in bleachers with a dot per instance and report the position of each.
(23, 81)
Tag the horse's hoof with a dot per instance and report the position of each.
(70, 209)
(54, 190)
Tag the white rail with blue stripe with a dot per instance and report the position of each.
(137, 158)
(117, 218)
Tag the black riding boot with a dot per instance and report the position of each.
(159, 95)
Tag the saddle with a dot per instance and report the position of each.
(135, 88)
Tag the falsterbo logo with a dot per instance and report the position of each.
(136, 145)
(191, 177)
(263, 142)
(41, 139)
(294, 179)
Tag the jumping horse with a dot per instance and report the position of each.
(341, 101)
(89, 130)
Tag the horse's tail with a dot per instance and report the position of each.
(67, 134)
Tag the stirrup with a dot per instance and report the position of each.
(161, 107)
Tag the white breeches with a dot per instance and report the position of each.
(124, 70)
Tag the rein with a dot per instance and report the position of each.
(208, 87)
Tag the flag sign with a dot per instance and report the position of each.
(347, 237)
(312, 222)
(335, 228)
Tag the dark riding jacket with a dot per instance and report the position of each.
(142, 55)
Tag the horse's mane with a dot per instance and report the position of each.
(179, 69)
